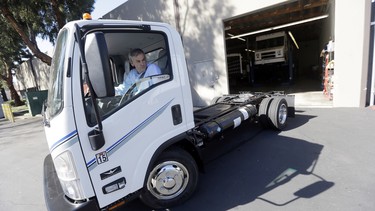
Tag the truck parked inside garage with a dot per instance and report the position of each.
(106, 148)
(274, 56)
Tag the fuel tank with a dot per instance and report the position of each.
(230, 120)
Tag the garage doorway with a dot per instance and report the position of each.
(280, 47)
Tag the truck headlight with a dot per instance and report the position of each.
(279, 53)
(66, 171)
(257, 56)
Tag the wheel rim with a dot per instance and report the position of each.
(168, 180)
(283, 113)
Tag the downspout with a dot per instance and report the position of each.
(372, 91)
(371, 72)
(177, 15)
(372, 87)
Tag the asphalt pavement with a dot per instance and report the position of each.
(23, 147)
(323, 160)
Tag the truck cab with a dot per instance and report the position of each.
(275, 56)
(271, 48)
(131, 127)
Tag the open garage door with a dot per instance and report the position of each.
(279, 46)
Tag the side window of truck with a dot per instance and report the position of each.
(55, 98)
(129, 84)
(160, 58)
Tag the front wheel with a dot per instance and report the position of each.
(171, 181)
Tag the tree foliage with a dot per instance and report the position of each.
(43, 18)
(12, 50)
(22, 22)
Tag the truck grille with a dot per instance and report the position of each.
(268, 55)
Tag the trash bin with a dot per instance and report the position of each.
(35, 100)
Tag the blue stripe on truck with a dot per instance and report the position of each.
(114, 147)
(63, 140)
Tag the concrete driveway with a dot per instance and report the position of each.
(22, 148)
(322, 161)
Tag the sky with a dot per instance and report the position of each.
(101, 7)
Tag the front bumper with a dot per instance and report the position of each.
(54, 196)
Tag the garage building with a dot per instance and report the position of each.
(221, 40)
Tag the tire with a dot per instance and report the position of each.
(278, 113)
(263, 112)
(172, 179)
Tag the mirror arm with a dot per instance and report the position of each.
(96, 136)
(87, 78)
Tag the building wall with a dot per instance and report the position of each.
(26, 79)
(200, 24)
(352, 31)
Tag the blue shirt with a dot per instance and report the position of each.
(134, 76)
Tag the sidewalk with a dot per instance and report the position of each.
(312, 99)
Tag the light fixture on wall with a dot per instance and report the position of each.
(249, 50)
(294, 40)
(279, 27)
(250, 33)
(231, 35)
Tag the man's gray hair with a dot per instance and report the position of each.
(135, 52)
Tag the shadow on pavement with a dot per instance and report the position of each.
(258, 161)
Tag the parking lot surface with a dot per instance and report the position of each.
(22, 148)
(322, 161)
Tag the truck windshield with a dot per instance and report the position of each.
(129, 84)
(270, 43)
(55, 93)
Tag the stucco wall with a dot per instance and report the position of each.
(352, 31)
(25, 76)
(200, 24)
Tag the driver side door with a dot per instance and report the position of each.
(134, 126)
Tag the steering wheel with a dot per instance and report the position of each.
(137, 87)
(130, 93)
(142, 84)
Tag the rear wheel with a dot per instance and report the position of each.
(278, 113)
(172, 179)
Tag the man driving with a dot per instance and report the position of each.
(142, 69)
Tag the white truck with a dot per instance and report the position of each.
(106, 149)
(274, 52)
(271, 48)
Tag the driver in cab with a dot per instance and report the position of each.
(141, 70)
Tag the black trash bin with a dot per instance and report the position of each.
(35, 100)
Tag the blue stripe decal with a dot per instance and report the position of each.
(91, 162)
(63, 140)
(114, 147)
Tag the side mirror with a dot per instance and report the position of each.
(97, 59)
